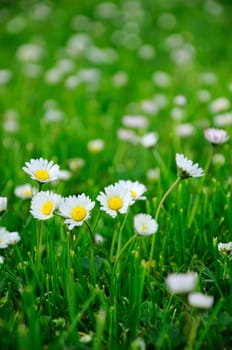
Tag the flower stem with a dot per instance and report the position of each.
(92, 256)
(165, 196)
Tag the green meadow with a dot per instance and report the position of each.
(112, 91)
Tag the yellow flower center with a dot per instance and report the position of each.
(47, 208)
(115, 203)
(143, 227)
(27, 192)
(42, 174)
(133, 194)
(78, 213)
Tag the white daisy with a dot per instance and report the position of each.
(145, 225)
(200, 301)
(135, 189)
(3, 203)
(96, 146)
(25, 191)
(181, 283)
(76, 210)
(216, 136)
(44, 204)
(116, 199)
(149, 140)
(186, 167)
(41, 170)
(225, 247)
(7, 238)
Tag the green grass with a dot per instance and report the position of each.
(63, 293)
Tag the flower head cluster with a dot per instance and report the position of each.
(42, 170)
(185, 283)
(186, 168)
(216, 136)
(118, 197)
(76, 210)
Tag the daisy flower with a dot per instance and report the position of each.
(76, 210)
(25, 191)
(181, 283)
(186, 167)
(135, 189)
(7, 238)
(225, 248)
(44, 204)
(149, 140)
(200, 301)
(145, 225)
(116, 199)
(216, 136)
(41, 170)
(3, 203)
(96, 146)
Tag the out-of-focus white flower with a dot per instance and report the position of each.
(116, 199)
(181, 283)
(186, 167)
(225, 247)
(127, 135)
(220, 104)
(41, 170)
(185, 130)
(30, 52)
(224, 119)
(150, 107)
(44, 204)
(106, 10)
(218, 159)
(40, 11)
(177, 113)
(5, 76)
(216, 136)
(203, 96)
(32, 70)
(183, 55)
(1, 259)
(99, 238)
(64, 175)
(7, 238)
(3, 203)
(53, 115)
(153, 174)
(161, 100)
(96, 146)
(53, 76)
(180, 100)
(166, 21)
(146, 52)
(76, 163)
(161, 79)
(16, 25)
(135, 121)
(120, 79)
(149, 140)
(135, 188)
(25, 191)
(200, 301)
(145, 225)
(76, 210)
(209, 78)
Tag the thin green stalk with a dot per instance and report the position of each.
(113, 241)
(92, 255)
(157, 214)
(165, 196)
(120, 234)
